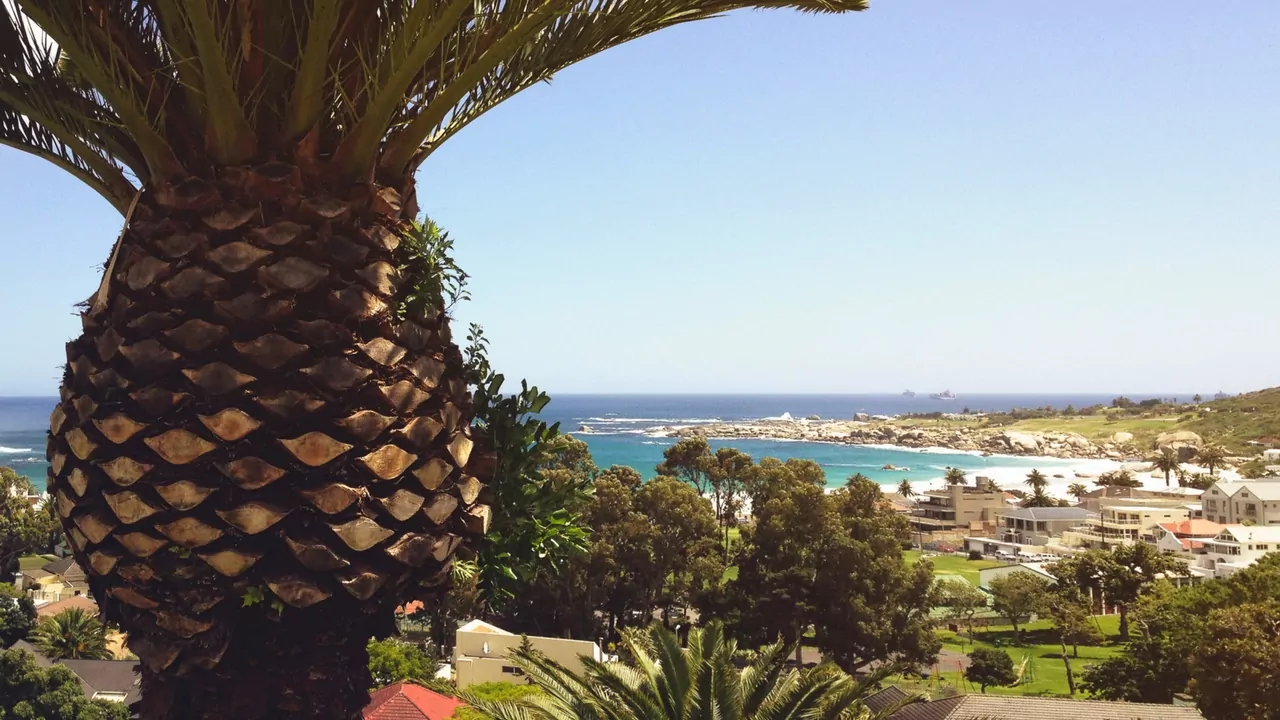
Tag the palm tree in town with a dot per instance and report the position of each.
(1166, 462)
(1037, 481)
(264, 441)
(72, 634)
(1211, 456)
(667, 682)
(905, 489)
(1077, 490)
(954, 476)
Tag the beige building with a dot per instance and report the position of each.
(1116, 494)
(1255, 502)
(59, 580)
(1122, 524)
(480, 654)
(963, 508)
(1236, 548)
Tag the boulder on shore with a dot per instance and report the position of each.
(1021, 442)
(1183, 442)
(1122, 437)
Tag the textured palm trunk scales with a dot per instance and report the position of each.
(254, 459)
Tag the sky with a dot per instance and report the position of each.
(988, 196)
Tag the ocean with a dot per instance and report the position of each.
(621, 430)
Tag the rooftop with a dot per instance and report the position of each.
(1254, 533)
(996, 707)
(79, 601)
(1048, 513)
(1195, 528)
(406, 701)
(480, 626)
(1261, 489)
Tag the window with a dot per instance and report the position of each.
(511, 670)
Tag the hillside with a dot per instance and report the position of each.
(1232, 422)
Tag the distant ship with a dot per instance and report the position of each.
(944, 395)
(908, 393)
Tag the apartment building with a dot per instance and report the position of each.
(1122, 524)
(1244, 502)
(964, 508)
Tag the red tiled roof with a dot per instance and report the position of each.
(406, 701)
(410, 607)
(78, 601)
(1195, 528)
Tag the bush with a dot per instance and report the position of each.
(988, 666)
(975, 555)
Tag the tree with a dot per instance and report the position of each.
(871, 605)
(954, 476)
(23, 528)
(393, 660)
(1132, 570)
(1166, 462)
(17, 615)
(690, 460)
(686, 559)
(1039, 499)
(269, 311)
(1236, 668)
(1196, 398)
(30, 691)
(1017, 595)
(732, 471)
(990, 666)
(1118, 478)
(1037, 481)
(667, 682)
(72, 634)
(1077, 490)
(962, 601)
(1211, 456)
(905, 489)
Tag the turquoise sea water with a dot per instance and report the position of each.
(622, 427)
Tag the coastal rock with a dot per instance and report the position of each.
(1021, 442)
(813, 417)
(861, 417)
(1183, 442)
(1122, 437)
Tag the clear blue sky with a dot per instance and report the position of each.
(986, 196)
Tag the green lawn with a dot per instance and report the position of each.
(1044, 673)
(955, 564)
(35, 562)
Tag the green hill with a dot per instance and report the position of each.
(1236, 420)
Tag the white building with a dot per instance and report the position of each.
(1239, 501)
(480, 654)
(1237, 547)
(1122, 525)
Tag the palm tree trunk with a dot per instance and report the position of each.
(256, 458)
(1124, 622)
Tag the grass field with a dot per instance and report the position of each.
(1045, 673)
(955, 564)
(35, 562)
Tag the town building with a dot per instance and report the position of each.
(1036, 526)
(114, 680)
(1112, 494)
(406, 701)
(58, 580)
(1243, 502)
(480, 653)
(1184, 536)
(1122, 524)
(962, 509)
(1235, 548)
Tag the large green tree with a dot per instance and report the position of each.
(990, 666)
(17, 615)
(23, 528)
(961, 601)
(1211, 456)
(1236, 667)
(267, 378)
(30, 692)
(832, 561)
(72, 634)
(667, 682)
(393, 660)
(1017, 595)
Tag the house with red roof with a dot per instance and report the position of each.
(1184, 536)
(406, 701)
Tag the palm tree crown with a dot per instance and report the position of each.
(119, 93)
(1211, 456)
(905, 489)
(1077, 490)
(72, 634)
(1166, 462)
(667, 682)
(954, 476)
(1037, 481)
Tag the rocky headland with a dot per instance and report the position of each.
(1119, 446)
